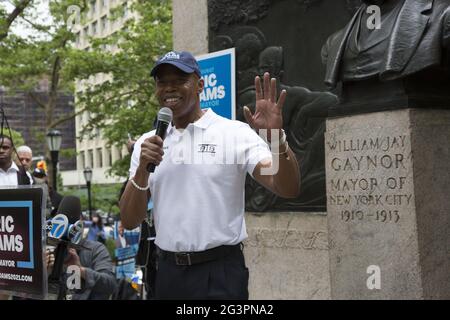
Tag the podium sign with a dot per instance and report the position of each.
(22, 236)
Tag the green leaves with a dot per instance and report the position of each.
(124, 103)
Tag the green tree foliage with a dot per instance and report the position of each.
(6, 19)
(16, 136)
(126, 105)
(122, 105)
(27, 63)
(104, 198)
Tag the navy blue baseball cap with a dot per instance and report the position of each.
(183, 60)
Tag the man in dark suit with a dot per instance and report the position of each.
(412, 36)
(413, 41)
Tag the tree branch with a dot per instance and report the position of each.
(4, 30)
(120, 95)
(37, 100)
(64, 119)
(37, 27)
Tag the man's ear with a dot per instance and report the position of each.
(201, 85)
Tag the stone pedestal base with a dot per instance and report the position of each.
(287, 256)
(388, 205)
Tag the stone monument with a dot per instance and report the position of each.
(388, 154)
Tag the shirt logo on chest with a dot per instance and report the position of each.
(207, 148)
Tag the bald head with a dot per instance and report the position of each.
(25, 156)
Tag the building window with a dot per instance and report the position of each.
(93, 7)
(90, 158)
(81, 160)
(78, 39)
(125, 10)
(86, 33)
(108, 157)
(99, 158)
(104, 25)
(94, 29)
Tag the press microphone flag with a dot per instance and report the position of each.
(75, 232)
(164, 118)
(60, 228)
(66, 231)
(66, 224)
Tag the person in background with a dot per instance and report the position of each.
(40, 179)
(10, 173)
(25, 156)
(53, 198)
(121, 241)
(96, 231)
(98, 281)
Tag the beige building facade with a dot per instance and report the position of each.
(92, 150)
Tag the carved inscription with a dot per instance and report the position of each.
(368, 178)
(287, 238)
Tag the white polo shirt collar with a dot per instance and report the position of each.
(206, 120)
(203, 123)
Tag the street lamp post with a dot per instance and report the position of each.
(88, 176)
(54, 139)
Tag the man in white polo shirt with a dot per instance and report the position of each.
(197, 187)
(10, 174)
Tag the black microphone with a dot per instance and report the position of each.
(70, 207)
(66, 229)
(164, 118)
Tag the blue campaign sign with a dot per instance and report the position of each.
(218, 72)
(22, 240)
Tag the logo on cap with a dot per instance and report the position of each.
(171, 55)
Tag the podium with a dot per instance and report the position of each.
(22, 242)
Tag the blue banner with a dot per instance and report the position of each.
(22, 240)
(218, 73)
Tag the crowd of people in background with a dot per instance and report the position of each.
(102, 280)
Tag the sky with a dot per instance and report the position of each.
(20, 26)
